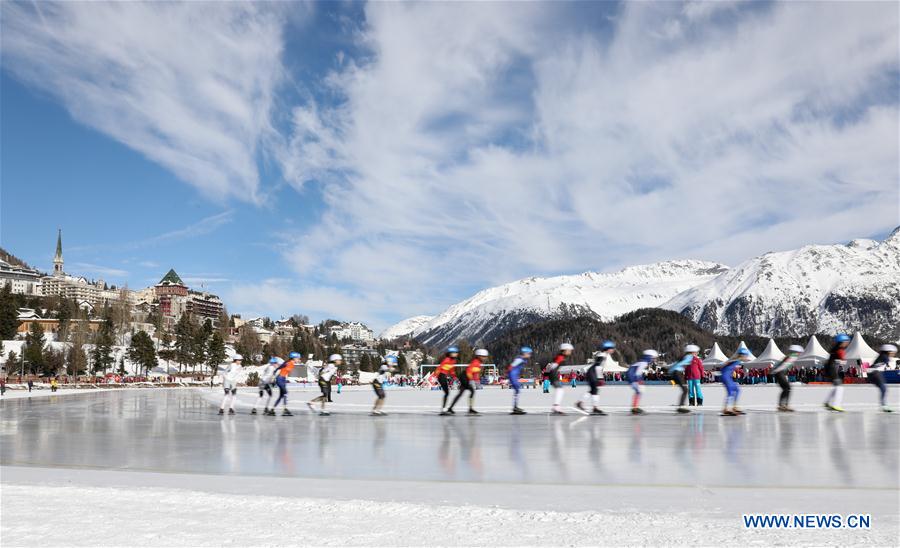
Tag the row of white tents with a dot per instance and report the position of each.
(814, 355)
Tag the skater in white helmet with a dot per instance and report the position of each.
(552, 372)
(266, 380)
(885, 357)
(635, 376)
(677, 371)
(384, 374)
(594, 374)
(230, 377)
(325, 374)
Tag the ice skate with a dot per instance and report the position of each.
(231, 411)
(637, 411)
(517, 411)
(683, 410)
(221, 411)
(253, 411)
(887, 409)
(287, 413)
(597, 411)
(728, 413)
(324, 414)
(473, 412)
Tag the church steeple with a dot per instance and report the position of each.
(58, 258)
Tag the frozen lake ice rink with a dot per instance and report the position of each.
(702, 465)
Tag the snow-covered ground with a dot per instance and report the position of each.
(159, 467)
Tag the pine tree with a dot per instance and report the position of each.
(215, 352)
(34, 348)
(9, 322)
(141, 351)
(103, 343)
(185, 341)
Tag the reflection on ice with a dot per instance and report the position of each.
(174, 431)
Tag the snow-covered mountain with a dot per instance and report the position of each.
(814, 289)
(496, 310)
(405, 327)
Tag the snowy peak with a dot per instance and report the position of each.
(405, 327)
(817, 288)
(493, 311)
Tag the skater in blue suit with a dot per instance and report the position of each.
(732, 390)
(515, 373)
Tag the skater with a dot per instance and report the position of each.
(282, 372)
(693, 372)
(876, 372)
(445, 372)
(781, 376)
(325, 374)
(515, 373)
(732, 390)
(230, 376)
(469, 380)
(635, 376)
(832, 372)
(593, 374)
(384, 374)
(677, 372)
(552, 372)
(266, 379)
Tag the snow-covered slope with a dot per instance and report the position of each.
(496, 310)
(817, 288)
(405, 327)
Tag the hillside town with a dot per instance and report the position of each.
(61, 324)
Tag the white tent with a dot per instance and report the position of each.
(715, 356)
(770, 356)
(744, 345)
(813, 354)
(859, 350)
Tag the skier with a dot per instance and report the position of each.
(876, 376)
(635, 376)
(445, 372)
(732, 390)
(515, 373)
(781, 371)
(325, 374)
(384, 373)
(832, 371)
(266, 379)
(593, 374)
(677, 372)
(469, 381)
(281, 374)
(552, 371)
(230, 376)
(693, 372)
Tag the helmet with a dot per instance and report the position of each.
(691, 348)
(452, 349)
(279, 361)
(841, 338)
(888, 348)
(237, 357)
(294, 355)
(651, 353)
(481, 352)
(795, 348)
(566, 346)
(607, 345)
(273, 359)
(743, 351)
(525, 350)
(391, 359)
(335, 357)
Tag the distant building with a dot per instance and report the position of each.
(205, 306)
(355, 331)
(176, 299)
(22, 280)
(77, 288)
(353, 353)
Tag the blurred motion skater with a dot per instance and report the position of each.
(516, 368)
(281, 375)
(676, 370)
(732, 390)
(635, 376)
(832, 371)
(469, 381)
(593, 374)
(552, 372)
(266, 378)
(384, 374)
(230, 377)
(325, 373)
(445, 373)
(876, 372)
(781, 376)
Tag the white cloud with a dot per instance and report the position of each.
(188, 84)
(99, 270)
(473, 153)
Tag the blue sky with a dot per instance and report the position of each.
(377, 161)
